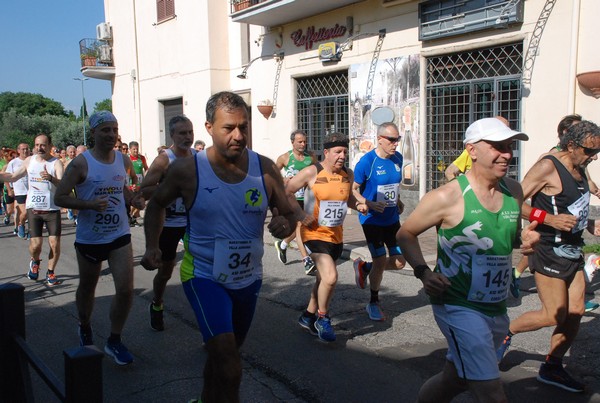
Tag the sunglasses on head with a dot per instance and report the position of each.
(391, 139)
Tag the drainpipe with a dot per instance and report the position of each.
(571, 107)
(136, 95)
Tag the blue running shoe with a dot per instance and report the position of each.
(70, 214)
(86, 338)
(375, 312)
(503, 348)
(34, 269)
(308, 323)
(324, 329)
(51, 278)
(119, 352)
(21, 231)
(591, 305)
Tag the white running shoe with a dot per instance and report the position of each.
(592, 264)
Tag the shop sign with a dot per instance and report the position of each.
(312, 35)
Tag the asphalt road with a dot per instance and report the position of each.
(370, 362)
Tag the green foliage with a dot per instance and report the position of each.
(16, 128)
(30, 104)
(104, 105)
(594, 248)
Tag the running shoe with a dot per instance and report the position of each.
(6, 220)
(590, 306)
(133, 223)
(86, 338)
(375, 312)
(70, 215)
(310, 269)
(557, 376)
(15, 232)
(324, 329)
(119, 352)
(592, 264)
(501, 352)
(156, 318)
(281, 253)
(308, 323)
(21, 231)
(514, 284)
(34, 269)
(51, 278)
(360, 273)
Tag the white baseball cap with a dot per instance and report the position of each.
(491, 129)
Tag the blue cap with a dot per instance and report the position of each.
(101, 117)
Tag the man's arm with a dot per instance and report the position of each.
(283, 222)
(18, 174)
(306, 177)
(178, 182)
(75, 174)
(282, 161)
(451, 172)
(432, 211)
(539, 178)
(157, 170)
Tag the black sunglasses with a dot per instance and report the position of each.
(588, 151)
(391, 139)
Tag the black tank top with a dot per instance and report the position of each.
(574, 199)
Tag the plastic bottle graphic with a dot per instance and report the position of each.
(408, 154)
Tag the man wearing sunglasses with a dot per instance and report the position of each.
(377, 179)
(560, 199)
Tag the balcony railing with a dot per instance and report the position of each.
(271, 13)
(95, 53)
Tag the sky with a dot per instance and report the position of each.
(39, 49)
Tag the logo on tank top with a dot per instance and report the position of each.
(253, 197)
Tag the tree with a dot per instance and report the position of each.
(105, 105)
(29, 104)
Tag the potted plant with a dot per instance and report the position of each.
(265, 107)
(90, 55)
(240, 4)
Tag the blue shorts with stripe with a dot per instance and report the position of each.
(220, 310)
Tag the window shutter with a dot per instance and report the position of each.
(160, 10)
(169, 8)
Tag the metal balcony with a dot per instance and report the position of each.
(96, 59)
(271, 13)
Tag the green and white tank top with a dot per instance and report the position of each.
(476, 255)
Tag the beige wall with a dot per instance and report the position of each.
(200, 51)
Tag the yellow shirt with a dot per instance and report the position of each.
(463, 162)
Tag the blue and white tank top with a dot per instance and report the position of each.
(103, 181)
(40, 195)
(176, 215)
(224, 237)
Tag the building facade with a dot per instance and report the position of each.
(432, 66)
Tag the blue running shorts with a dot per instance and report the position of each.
(473, 339)
(220, 310)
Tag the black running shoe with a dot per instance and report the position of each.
(557, 376)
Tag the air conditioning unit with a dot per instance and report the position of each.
(105, 54)
(103, 32)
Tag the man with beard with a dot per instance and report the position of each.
(44, 173)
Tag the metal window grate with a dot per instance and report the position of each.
(462, 88)
(322, 107)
